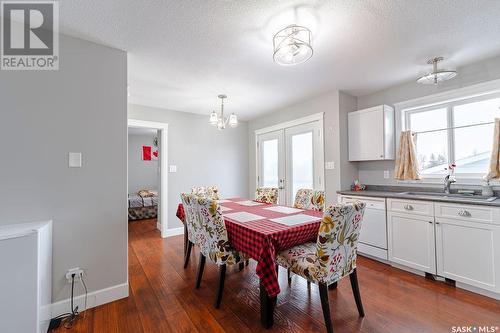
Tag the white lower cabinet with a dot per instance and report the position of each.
(469, 252)
(411, 241)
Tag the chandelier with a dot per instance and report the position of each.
(437, 75)
(292, 45)
(219, 120)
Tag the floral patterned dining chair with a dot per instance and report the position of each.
(210, 191)
(192, 225)
(267, 195)
(333, 255)
(213, 242)
(310, 199)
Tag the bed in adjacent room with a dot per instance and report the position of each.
(142, 205)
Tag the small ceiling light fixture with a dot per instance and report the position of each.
(437, 75)
(219, 120)
(292, 45)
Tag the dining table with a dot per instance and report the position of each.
(261, 230)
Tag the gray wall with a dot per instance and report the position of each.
(46, 114)
(203, 155)
(373, 172)
(141, 174)
(335, 106)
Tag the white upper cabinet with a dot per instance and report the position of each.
(371, 134)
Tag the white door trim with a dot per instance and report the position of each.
(163, 204)
(299, 121)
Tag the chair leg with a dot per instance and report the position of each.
(308, 284)
(188, 253)
(323, 294)
(289, 275)
(277, 270)
(333, 286)
(241, 265)
(247, 262)
(201, 266)
(186, 240)
(220, 289)
(355, 291)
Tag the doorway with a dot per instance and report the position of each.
(290, 156)
(157, 151)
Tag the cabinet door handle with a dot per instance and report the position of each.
(430, 222)
(408, 207)
(464, 213)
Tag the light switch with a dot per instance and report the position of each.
(75, 160)
(329, 165)
(172, 168)
(386, 174)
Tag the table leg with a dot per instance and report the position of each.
(267, 304)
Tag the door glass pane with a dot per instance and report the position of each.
(432, 152)
(302, 162)
(270, 163)
(473, 148)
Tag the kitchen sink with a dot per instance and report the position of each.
(450, 196)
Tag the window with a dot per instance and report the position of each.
(459, 132)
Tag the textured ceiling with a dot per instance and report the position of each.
(182, 53)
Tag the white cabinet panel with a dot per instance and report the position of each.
(414, 207)
(466, 253)
(470, 213)
(411, 241)
(371, 134)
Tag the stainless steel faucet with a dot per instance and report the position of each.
(448, 180)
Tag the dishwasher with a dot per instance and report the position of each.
(373, 234)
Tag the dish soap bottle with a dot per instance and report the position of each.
(487, 191)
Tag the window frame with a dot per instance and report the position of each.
(449, 105)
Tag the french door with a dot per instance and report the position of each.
(291, 158)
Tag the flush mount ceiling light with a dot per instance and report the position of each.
(292, 45)
(437, 75)
(219, 120)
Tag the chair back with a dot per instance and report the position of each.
(267, 195)
(192, 221)
(336, 246)
(214, 244)
(209, 191)
(310, 199)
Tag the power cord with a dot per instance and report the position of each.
(82, 281)
(70, 318)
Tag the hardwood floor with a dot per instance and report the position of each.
(163, 299)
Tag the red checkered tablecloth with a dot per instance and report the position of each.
(262, 239)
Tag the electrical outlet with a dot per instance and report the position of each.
(77, 271)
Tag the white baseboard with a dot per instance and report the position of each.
(174, 232)
(477, 290)
(94, 299)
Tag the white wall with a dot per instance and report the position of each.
(335, 106)
(487, 70)
(203, 155)
(141, 174)
(46, 114)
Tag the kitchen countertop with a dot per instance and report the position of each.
(398, 192)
